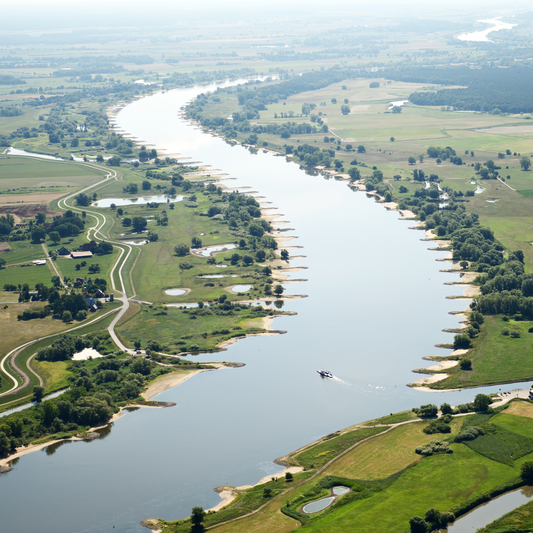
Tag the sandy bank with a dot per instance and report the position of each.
(443, 365)
(229, 493)
(428, 380)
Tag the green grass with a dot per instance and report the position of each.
(496, 358)
(501, 445)
(384, 456)
(393, 418)
(323, 452)
(440, 481)
(27, 173)
(23, 252)
(31, 275)
(175, 329)
(514, 423)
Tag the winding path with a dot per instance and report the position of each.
(8, 364)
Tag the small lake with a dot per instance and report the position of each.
(16, 151)
(162, 199)
(216, 276)
(241, 288)
(479, 189)
(136, 243)
(319, 505)
(175, 292)
(207, 251)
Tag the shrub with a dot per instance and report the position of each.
(470, 433)
(433, 447)
(466, 364)
(526, 472)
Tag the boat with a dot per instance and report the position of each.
(325, 373)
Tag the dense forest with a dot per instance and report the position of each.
(489, 89)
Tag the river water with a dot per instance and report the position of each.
(376, 305)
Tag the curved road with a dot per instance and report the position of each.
(8, 364)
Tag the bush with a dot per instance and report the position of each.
(433, 447)
(466, 364)
(181, 249)
(470, 433)
(526, 472)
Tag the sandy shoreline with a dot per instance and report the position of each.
(229, 493)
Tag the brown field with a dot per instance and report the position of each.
(520, 409)
(29, 207)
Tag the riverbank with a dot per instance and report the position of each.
(157, 386)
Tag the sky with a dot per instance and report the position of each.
(20, 15)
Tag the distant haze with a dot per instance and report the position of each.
(60, 14)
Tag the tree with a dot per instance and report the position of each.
(396, 109)
(99, 158)
(526, 471)
(278, 290)
(446, 409)
(361, 149)
(267, 492)
(181, 249)
(374, 84)
(482, 402)
(146, 185)
(54, 237)
(427, 411)
(418, 525)
(466, 364)
(137, 344)
(138, 224)
(38, 394)
(525, 163)
(197, 517)
(83, 199)
(114, 161)
(411, 160)
(40, 218)
(354, 174)
(67, 317)
(345, 109)
(288, 477)
(284, 255)
(196, 242)
(2, 262)
(38, 234)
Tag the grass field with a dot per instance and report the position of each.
(318, 455)
(30, 274)
(496, 358)
(22, 252)
(30, 174)
(380, 458)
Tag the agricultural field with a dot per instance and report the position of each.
(26, 175)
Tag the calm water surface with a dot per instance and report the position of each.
(376, 304)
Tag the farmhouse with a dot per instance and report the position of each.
(81, 255)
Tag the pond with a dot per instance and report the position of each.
(136, 243)
(208, 251)
(319, 505)
(162, 199)
(175, 292)
(241, 288)
(16, 151)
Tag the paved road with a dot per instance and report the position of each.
(19, 376)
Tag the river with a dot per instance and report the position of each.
(376, 305)
(483, 35)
